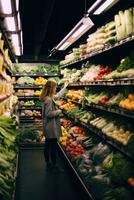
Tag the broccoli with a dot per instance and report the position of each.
(119, 193)
(126, 63)
(121, 169)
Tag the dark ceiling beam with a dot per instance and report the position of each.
(41, 59)
(41, 33)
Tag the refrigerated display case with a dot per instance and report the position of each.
(100, 99)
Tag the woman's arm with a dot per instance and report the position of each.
(48, 112)
(61, 92)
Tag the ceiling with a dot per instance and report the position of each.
(46, 22)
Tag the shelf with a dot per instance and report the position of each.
(28, 97)
(108, 140)
(37, 75)
(30, 118)
(29, 108)
(116, 110)
(106, 48)
(117, 82)
(26, 117)
(39, 124)
(78, 177)
(32, 144)
(27, 87)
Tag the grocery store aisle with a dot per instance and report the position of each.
(34, 183)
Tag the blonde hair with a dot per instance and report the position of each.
(48, 90)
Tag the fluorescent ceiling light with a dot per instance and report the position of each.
(21, 37)
(79, 31)
(64, 46)
(10, 23)
(17, 50)
(6, 6)
(13, 23)
(81, 27)
(17, 4)
(18, 19)
(94, 6)
(100, 6)
(15, 39)
(22, 48)
(105, 6)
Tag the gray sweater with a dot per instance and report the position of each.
(50, 114)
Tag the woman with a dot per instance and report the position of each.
(51, 121)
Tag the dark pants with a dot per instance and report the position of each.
(50, 150)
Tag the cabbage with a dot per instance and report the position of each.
(25, 80)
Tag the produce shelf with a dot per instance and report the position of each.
(27, 87)
(105, 49)
(107, 139)
(29, 108)
(28, 97)
(26, 117)
(32, 144)
(32, 118)
(116, 110)
(77, 175)
(111, 82)
(37, 75)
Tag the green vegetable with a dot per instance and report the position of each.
(110, 26)
(129, 21)
(126, 63)
(118, 193)
(121, 169)
(118, 27)
(111, 39)
(8, 149)
(123, 27)
(108, 162)
(133, 20)
(29, 103)
(28, 133)
(26, 80)
(115, 100)
(38, 104)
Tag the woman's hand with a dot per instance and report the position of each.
(66, 84)
(59, 111)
